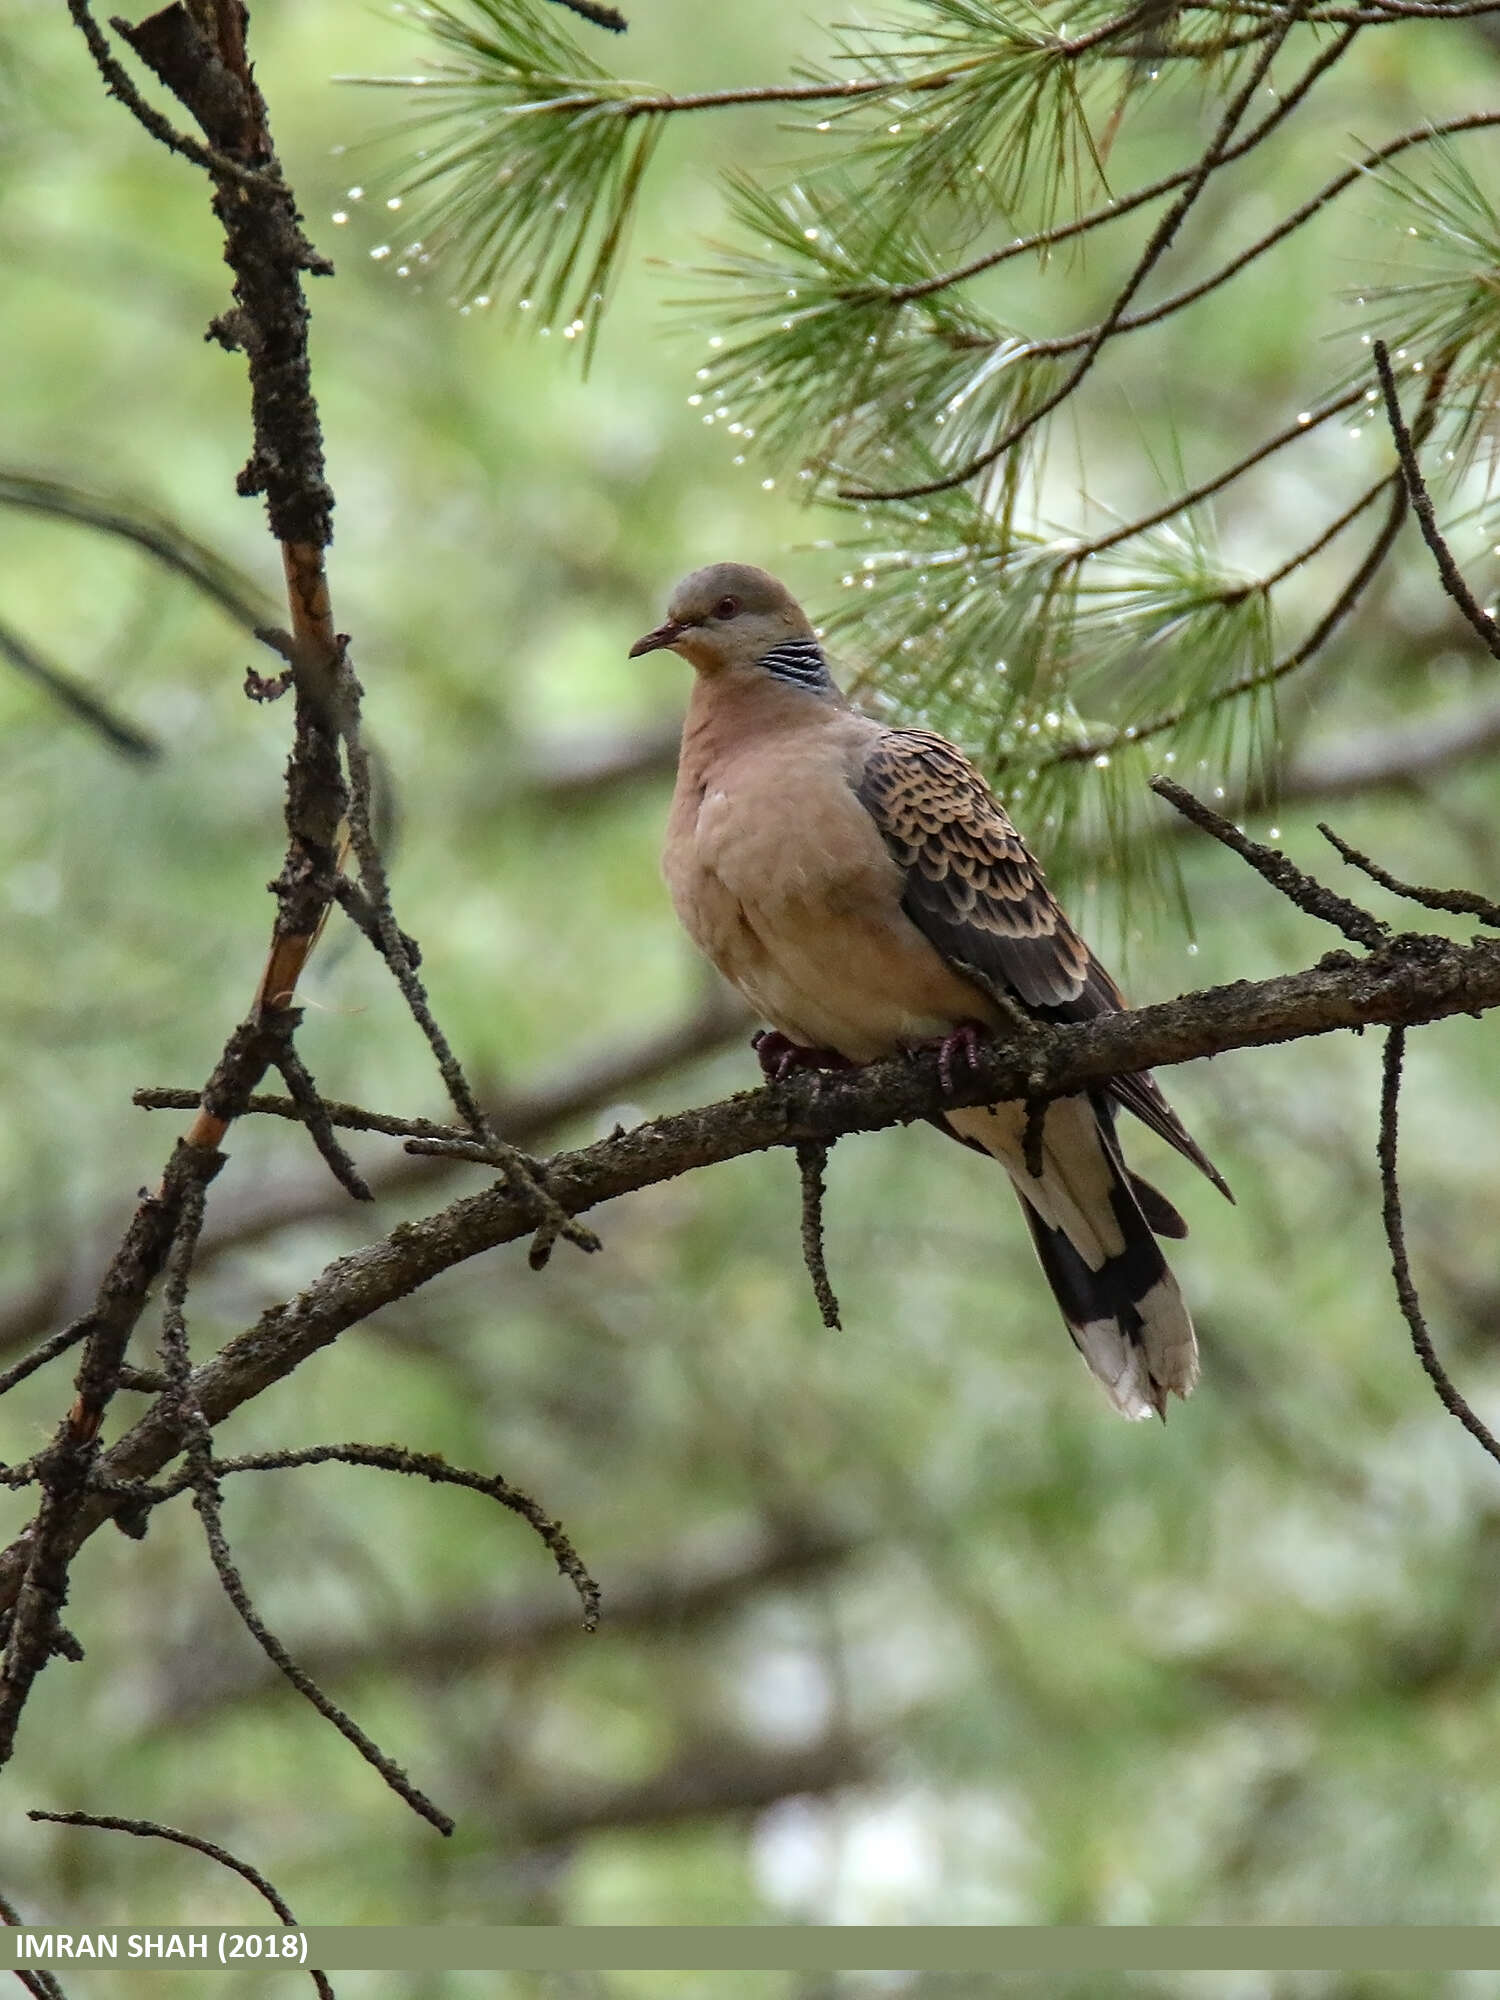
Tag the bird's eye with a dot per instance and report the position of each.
(726, 607)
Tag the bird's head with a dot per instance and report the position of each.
(732, 619)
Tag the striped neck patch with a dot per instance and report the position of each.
(799, 661)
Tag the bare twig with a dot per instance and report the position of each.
(206, 1501)
(414, 1465)
(1395, 1236)
(48, 1350)
(314, 1114)
(1282, 874)
(1457, 902)
(812, 1158)
(65, 1468)
(151, 1830)
(119, 85)
(201, 1474)
(423, 1465)
(352, 1117)
(552, 1222)
(1421, 500)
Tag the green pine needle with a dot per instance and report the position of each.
(525, 160)
(1451, 308)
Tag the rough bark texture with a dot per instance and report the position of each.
(1411, 979)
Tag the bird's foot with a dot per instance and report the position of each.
(963, 1041)
(779, 1056)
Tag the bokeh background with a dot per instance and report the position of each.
(902, 1625)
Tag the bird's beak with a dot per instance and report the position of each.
(664, 636)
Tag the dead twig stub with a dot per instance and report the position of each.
(812, 1158)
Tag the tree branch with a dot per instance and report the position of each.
(1410, 979)
(579, 1086)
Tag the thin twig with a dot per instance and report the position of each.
(315, 1116)
(176, 1351)
(151, 1830)
(478, 1152)
(1282, 874)
(206, 1501)
(424, 1465)
(352, 1117)
(117, 80)
(48, 1350)
(1395, 1236)
(552, 1220)
(387, 1458)
(1421, 500)
(812, 1158)
(1457, 902)
(201, 1475)
(66, 1467)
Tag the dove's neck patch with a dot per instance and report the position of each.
(801, 662)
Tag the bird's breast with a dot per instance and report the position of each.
(781, 878)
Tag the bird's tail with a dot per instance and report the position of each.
(1092, 1222)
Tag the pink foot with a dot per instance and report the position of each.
(965, 1040)
(779, 1056)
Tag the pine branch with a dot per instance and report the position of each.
(1157, 246)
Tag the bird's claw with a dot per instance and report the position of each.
(779, 1056)
(963, 1040)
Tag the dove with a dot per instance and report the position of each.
(865, 891)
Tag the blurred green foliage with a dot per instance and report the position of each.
(1039, 1665)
